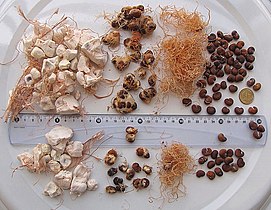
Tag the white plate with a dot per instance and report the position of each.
(246, 189)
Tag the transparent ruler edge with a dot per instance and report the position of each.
(192, 130)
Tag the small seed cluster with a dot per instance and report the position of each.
(228, 59)
(221, 162)
(257, 129)
(128, 170)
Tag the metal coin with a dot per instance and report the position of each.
(246, 96)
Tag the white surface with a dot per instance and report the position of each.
(247, 189)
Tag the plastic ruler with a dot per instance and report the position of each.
(192, 130)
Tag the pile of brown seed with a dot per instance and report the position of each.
(221, 161)
(229, 63)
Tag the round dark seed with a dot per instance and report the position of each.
(211, 47)
(223, 85)
(249, 66)
(230, 61)
(253, 125)
(211, 110)
(227, 69)
(217, 96)
(233, 88)
(225, 110)
(228, 101)
(220, 73)
(239, 153)
(220, 34)
(261, 128)
(224, 44)
(200, 173)
(219, 160)
(223, 153)
(257, 135)
(243, 72)
(235, 35)
(239, 78)
(218, 171)
(211, 80)
(257, 86)
(250, 58)
(234, 167)
(201, 83)
(217, 43)
(210, 175)
(196, 108)
(237, 51)
(226, 168)
(228, 160)
(216, 87)
(237, 64)
(250, 50)
(232, 47)
(251, 82)
(234, 71)
(240, 162)
(202, 159)
(239, 110)
(117, 180)
(210, 164)
(231, 78)
(206, 151)
(243, 52)
(228, 54)
(228, 37)
(241, 58)
(240, 44)
(212, 37)
(214, 154)
(252, 110)
(221, 137)
(220, 51)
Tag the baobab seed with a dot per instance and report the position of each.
(250, 50)
(210, 175)
(219, 160)
(251, 82)
(217, 63)
(257, 134)
(249, 66)
(213, 70)
(202, 159)
(228, 160)
(238, 110)
(227, 69)
(211, 110)
(244, 52)
(202, 93)
(235, 35)
(216, 87)
(210, 164)
(212, 37)
(211, 48)
(200, 173)
(217, 96)
(223, 85)
(233, 88)
(213, 57)
(237, 64)
(250, 58)
(228, 54)
(230, 61)
(260, 128)
(228, 37)
(240, 162)
(220, 34)
(221, 137)
(228, 101)
(257, 86)
(186, 101)
(226, 167)
(220, 51)
(196, 108)
(239, 153)
(232, 47)
(214, 154)
(243, 72)
(252, 125)
(220, 73)
(237, 51)
(239, 78)
(217, 43)
(218, 171)
(229, 153)
(208, 100)
(234, 167)
(224, 44)
(240, 44)
(206, 151)
(201, 83)
(253, 110)
(225, 110)
(234, 71)
(211, 80)
(231, 78)
(241, 58)
(223, 153)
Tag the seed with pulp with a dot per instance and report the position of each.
(210, 175)
(250, 50)
(130, 173)
(200, 173)
(238, 110)
(252, 110)
(252, 125)
(206, 151)
(257, 135)
(201, 83)
(136, 167)
(257, 86)
(240, 162)
(196, 108)
(211, 110)
(147, 169)
(210, 164)
(221, 137)
(111, 189)
(117, 180)
(225, 110)
(218, 171)
(239, 153)
(112, 171)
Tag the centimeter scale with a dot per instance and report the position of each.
(153, 130)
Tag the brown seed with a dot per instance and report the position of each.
(196, 108)
(152, 80)
(240, 44)
(219, 160)
(238, 110)
(240, 162)
(212, 37)
(221, 137)
(237, 51)
(228, 37)
(201, 83)
(211, 47)
(213, 70)
(239, 153)
(252, 125)
(214, 154)
(112, 171)
(243, 52)
(111, 189)
(147, 169)
(252, 110)
(220, 34)
(136, 167)
(233, 88)
(229, 153)
(220, 73)
(130, 173)
(232, 47)
(208, 100)
(228, 54)
(235, 35)
(218, 171)
(250, 50)
(234, 167)
(230, 61)
(200, 173)
(239, 78)
(249, 66)
(237, 64)
(217, 43)
(243, 72)
(214, 57)
(224, 44)
(211, 80)
(220, 51)
(241, 58)
(257, 86)
(227, 69)
(257, 135)
(202, 159)
(211, 110)
(222, 153)
(206, 151)
(250, 58)
(217, 96)
(216, 87)
(234, 71)
(228, 160)
(225, 110)
(223, 85)
(226, 168)
(231, 78)
(187, 101)
(202, 93)
(261, 128)
(210, 175)
(228, 101)
(210, 164)
(251, 82)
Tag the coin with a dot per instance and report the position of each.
(246, 96)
